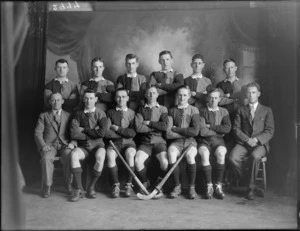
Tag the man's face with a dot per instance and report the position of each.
(166, 61)
(89, 100)
(214, 99)
(98, 68)
(121, 98)
(183, 96)
(56, 101)
(151, 95)
(252, 94)
(197, 65)
(131, 65)
(62, 69)
(230, 69)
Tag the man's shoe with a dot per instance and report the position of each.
(91, 193)
(250, 194)
(128, 189)
(146, 185)
(115, 193)
(176, 191)
(77, 194)
(192, 192)
(69, 189)
(219, 192)
(209, 191)
(46, 191)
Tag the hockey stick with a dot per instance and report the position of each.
(157, 189)
(129, 169)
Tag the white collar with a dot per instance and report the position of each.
(120, 109)
(97, 79)
(212, 109)
(197, 76)
(147, 106)
(89, 110)
(166, 71)
(132, 75)
(54, 111)
(226, 80)
(183, 107)
(255, 105)
(61, 80)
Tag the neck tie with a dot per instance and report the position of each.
(252, 112)
(57, 117)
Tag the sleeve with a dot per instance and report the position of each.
(73, 100)
(162, 124)
(100, 130)
(268, 132)
(153, 81)
(178, 81)
(107, 96)
(241, 136)
(192, 130)
(110, 134)
(128, 132)
(139, 126)
(75, 132)
(119, 83)
(224, 127)
(38, 133)
(170, 135)
(205, 131)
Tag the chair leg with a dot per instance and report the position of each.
(265, 177)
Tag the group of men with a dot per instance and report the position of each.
(156, 118)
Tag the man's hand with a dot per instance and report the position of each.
(158, 85)
(46, 148)
(114, 127)
(204, 92)
(146, 122)
(252, 142)
(227, 95)
(207, 125)
(71, 146)
(81, 129)
(72, 96)
(193, 93)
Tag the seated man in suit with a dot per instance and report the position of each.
(216, 125)
(133, 82)
(64, 86)
(104, 88)
(197, 82)
(121, 132)
(52, 137)
(167, 80)
(184, 125)
(88, 127)
(253, 127)
(151, 122)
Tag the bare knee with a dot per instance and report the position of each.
(100, 155)
(130, 153)
(139, 161)
(220, 154)
(204, 153)
(172, 154)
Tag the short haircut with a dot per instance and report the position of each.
(89, 90)
(229, 60)
(148, 86)
(253, 84)
(61, 61)
(96, 59)
(166, 52)
(215, 89)
(184, 87)
(198, 56)
(131, 56)
(55, 93)
(121, 89)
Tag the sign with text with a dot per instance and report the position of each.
(70, 6)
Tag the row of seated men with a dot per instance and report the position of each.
(162, 131)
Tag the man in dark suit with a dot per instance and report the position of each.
(253, 127)
(52, 137)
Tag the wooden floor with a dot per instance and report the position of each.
(234, 212)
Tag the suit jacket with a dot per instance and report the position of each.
(47, 130)
(262, 126)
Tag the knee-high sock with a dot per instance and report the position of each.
(176, 174)
(207, 173)
(191, 173)
(95, 177)
(220, 172)
(143, 175)
(129, 176)
(77, 175)
(162, 173)
(114, 174)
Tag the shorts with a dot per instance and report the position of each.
(121, 147)
(87, 150)
(153, 148)
(212, 143)
(182, 144)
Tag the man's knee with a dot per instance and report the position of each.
(172, 153)
(163, 160)
(139, 161)
(221, 152)
(130, 153)
(100, 155)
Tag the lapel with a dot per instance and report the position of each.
(62, 119)
(248, 114)
(257, 112)
(51, 119)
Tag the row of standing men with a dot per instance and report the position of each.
(153, 122)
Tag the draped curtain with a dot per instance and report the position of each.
(14, 26)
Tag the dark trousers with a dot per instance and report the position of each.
(241, 154)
